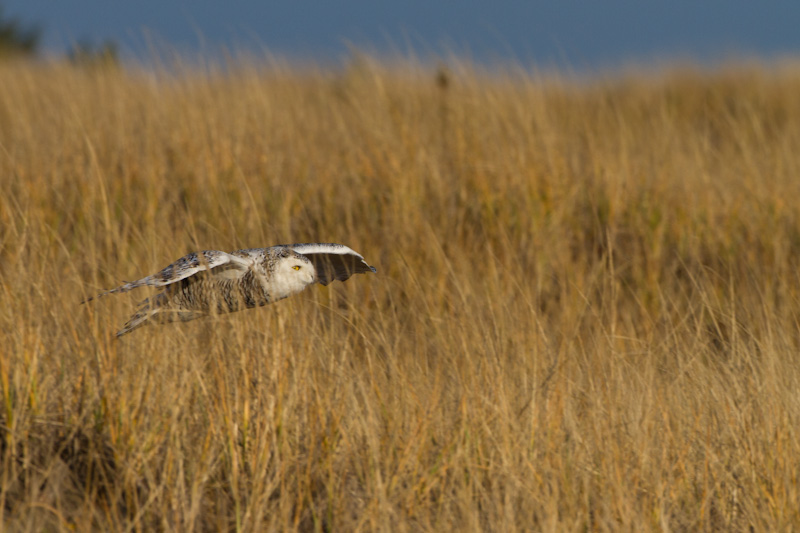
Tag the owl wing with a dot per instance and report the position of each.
(333, 261)
(220, 264)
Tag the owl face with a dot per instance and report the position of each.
(293, 273)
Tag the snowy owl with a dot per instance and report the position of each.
(210, 282)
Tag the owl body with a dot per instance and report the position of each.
(214, 282)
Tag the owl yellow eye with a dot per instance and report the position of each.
(296, 267)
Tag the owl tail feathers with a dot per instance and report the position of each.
(157, 312)
(146, 311)
(136, 321)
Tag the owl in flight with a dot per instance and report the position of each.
(212, 282)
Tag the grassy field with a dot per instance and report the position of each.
(585, 316)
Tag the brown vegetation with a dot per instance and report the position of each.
(585, 315)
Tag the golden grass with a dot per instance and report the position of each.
(585, 315)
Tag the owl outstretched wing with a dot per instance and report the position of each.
(333, 261)
(220, 264)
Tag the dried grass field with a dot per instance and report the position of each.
(585, 316)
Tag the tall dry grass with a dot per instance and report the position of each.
(585, 315)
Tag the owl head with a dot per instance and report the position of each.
(293, 272)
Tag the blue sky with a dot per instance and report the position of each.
(571, 34)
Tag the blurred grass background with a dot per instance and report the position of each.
(585, 315)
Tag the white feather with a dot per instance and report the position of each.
(324, 248)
